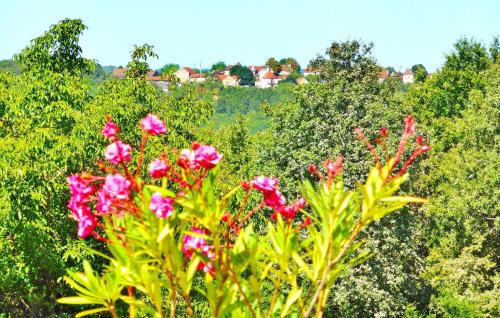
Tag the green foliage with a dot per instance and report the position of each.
(273, 64)
(57, 51)
(169, 69)
(10, 66)
(446, 92)
(419, 73)
(244, 74)
(138, 67)
(219, 66)
(48, 129)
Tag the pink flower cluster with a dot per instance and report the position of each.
(158, 168)
(81, 191)
(274, 199)
(116, 190)
(161, 206)
(118, 152)
(191, 243)
(199, 156)
(110, 130)
(153, 125)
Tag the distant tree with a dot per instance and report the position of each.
(169, 68)
(390, 69)
(290, 64)
(138, 67)
(349, 61)
(273, 64)
(290, 79)
(446, 93)
(219, 66)
(495, 49)
(244, 74)
(10, 66)
(57, 50)
(419, 73)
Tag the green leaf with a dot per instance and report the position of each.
(163, 233)
(76, 300)
(90, 312)
(292, 298)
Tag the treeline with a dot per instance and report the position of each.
(438, 260)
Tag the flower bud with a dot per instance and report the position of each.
(383, 132)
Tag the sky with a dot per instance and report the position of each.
(201, 32)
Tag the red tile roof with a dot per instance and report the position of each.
(269, 75)
(198, 75)
(383, 74)
(189, 70)
(119, 72)
(311, 70)
(408, 72)
(154, 78)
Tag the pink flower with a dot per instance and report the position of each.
(409, 125)
(161, 206)
(199, 156)
(264, 184)
(191, 243)
(209, 266)
(110, 130)
(334, 168)
(187, 160)
(289, 212)
(207, 156)
(158, 168)
(104, 202)
(153, 125)
(274, 199)
(118, 152)
(79, 186)
(117, 187)
(86, 225)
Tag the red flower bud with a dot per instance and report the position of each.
(225, 217)
(245, 185)
(383, 132)
(312, 169)
(195, 145)
(420, 140)
(307, 222)
(409, 125)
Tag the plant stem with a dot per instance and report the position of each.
(339, 256)
(112, 310)
(247, 302)
(131, 293)
(188, 305)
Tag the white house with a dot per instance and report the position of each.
(197, 78)
(188, 75)
(269, 79)
(311, 71)
(228, 80)
(408, 76)
(183, 74)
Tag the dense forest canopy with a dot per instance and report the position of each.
(436, 260)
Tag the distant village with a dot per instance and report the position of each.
(264, 76)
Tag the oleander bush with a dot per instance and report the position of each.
(166, 226)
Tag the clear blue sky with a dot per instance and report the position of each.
(188, 32)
